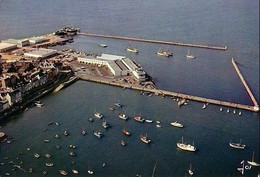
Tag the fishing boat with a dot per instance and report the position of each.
(176, 124)
(133, 50)
(98, 134)
(57, 136)
(38, 104)
(139, 119)
(253, 163)
(105, 124)
(98, 115)
(65, 133)
(102, 45)
(111, 108)
(72, 154)
(126, 132)
(90, 119)
(204, 106)
(118, 105)
(122, 116)
(190, 171)
(189, 56)
(74, 171)
(49, 164)
(148, 121)
(46, 141)
(186, 147)
(36, 155)
(145, 139)
(83, 132)
(123, 143)
(47, 156)
(237, 145)
(63, 172)
(72, 146)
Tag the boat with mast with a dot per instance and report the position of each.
(186, 147)
(189, 56)
(176, 124)
(190, 171)
(133, 50)
(237, 145)
(253, 163)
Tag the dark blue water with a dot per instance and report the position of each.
(231, 23)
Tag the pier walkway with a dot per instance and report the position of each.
(153, 41)
(170, 93)
(245, 85)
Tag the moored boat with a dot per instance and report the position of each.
(158, 126)
(111, 108)
(49, 164)
(97, 133)
(74, 171)
(72, 154)
(38, 103)
(204, 106)
(98, 115)
(90, 119)
(46, 141)
(47, 156)
(176, 124)
(58, 147)
(237, 145)
(148, 121)
(83, 132)
(72, 146)
(139, 119)
(184, 146)
(90, 172)
(126, 132)
(63, 172)
(65, 133)
(133, 50)
(118, 105)
(102, 45)
(123, 143)
(253, 163)
(145, 139)
(220, 109)
(190, 171)
(57, 136)
(122, 116)
(105, 124)
(164, 53)
(189, 56)
(36, 155)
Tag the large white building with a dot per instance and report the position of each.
(18, 42)
(41, 53)
(4, 47)
(118, 65)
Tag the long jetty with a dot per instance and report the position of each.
(256, 107)
(153, 41)
(170, 93)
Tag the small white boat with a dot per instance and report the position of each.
(97, 134)
(158, 122)
(98, 115)
(123, 143)
(176, 124)
(122, 116)
(105, 124)
(38, 103)
(104, 164)
(253, 163)
(145, 139)
(237, 145)
(234, 111)
(148, 121)
(90, 172)
(75, 171)
(240, 113)
(158, 126)
(220, 109)
(49, 164)
(133, 50)
(204, 106)
(90, 119)
(57, 136)
(36, 155)
(83, 132)
(63, 172)
(139, 119)
(72, 146)
(102, 45)
(189, 56)
(46, 141)
(228, 110)
(47, 156)
(118, 105)
(190, 171)
(65, 133)
(186, 147)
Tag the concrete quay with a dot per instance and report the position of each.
(153, 41)
(170, 93)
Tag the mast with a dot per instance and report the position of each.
(253, 156)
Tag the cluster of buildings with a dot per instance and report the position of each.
(118, 65)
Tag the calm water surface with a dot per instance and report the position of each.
(234, 23)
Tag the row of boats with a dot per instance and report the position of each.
(160, 52)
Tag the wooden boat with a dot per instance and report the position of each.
(126, 132)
